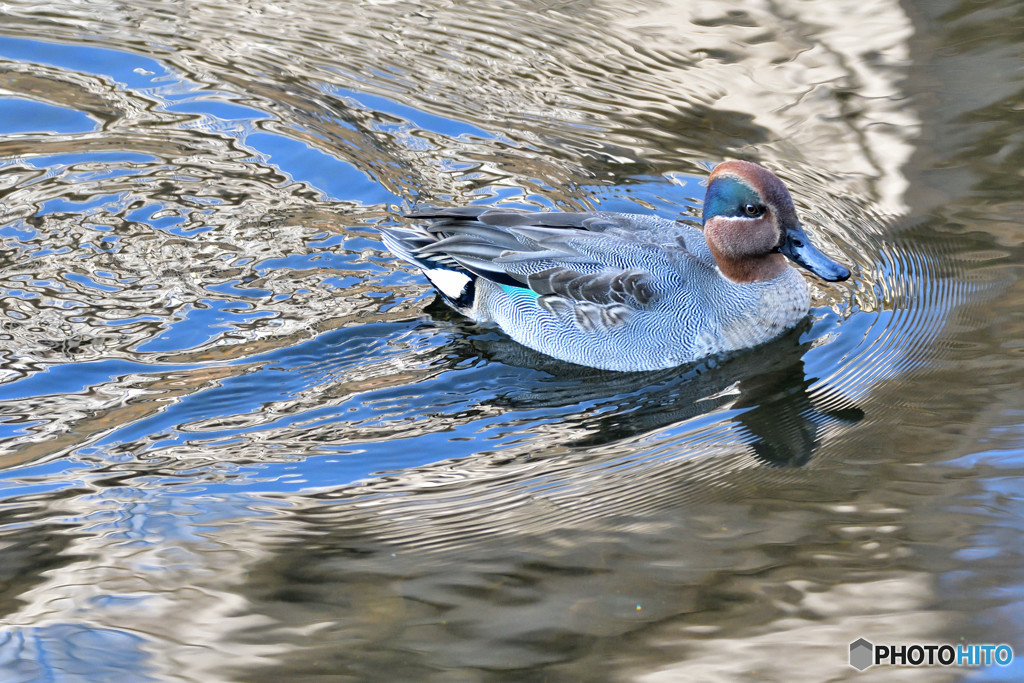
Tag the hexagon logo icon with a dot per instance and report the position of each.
(861, 654)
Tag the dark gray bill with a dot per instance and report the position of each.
(797, 247)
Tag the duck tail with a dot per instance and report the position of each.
(456, 285)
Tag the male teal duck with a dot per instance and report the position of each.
(627, 291)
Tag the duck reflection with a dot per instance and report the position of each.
(766, 388)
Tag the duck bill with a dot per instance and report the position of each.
(799, 249)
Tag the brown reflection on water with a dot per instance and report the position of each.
(594, 85)
(99, 411)
(742, 521)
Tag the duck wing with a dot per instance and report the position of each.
(601, 258)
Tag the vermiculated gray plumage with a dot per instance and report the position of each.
(614, 291)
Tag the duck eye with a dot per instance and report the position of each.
(753, 210)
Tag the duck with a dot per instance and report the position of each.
(621, 291)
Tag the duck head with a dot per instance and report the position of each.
(750, 225)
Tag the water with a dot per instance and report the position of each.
(240, 441)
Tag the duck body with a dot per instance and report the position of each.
(626, 292)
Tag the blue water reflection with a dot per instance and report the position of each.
(25, 116)
(133, 70)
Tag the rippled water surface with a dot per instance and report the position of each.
(239, 440)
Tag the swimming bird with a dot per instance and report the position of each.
(626, 292)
